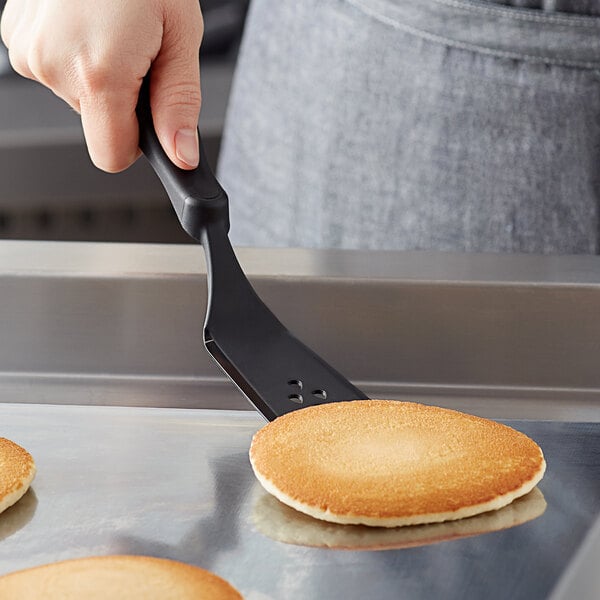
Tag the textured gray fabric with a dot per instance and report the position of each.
(581, 7)
(397, 124)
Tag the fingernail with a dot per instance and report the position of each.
(186, 146)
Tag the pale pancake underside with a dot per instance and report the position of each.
(340, 462)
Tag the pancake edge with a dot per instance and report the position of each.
(401, 521)
(13, 497)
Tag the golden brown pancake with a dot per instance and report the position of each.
(284, 524)
(117, 578)
(386, 463)
(17, 470)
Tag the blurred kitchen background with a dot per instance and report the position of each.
(50, 190)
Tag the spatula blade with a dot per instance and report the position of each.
(272, 368)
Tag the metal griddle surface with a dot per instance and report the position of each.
(178, 484)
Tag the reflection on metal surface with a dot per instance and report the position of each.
(284, 524)
(582, 580)
(206, 540)
(18, 515)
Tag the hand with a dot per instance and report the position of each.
(95, 53)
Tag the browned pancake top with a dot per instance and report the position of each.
(117, 578)
(16, 466)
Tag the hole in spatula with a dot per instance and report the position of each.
(295, 383)
(320, 394)
(297, 398)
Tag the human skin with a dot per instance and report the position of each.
(94, 54)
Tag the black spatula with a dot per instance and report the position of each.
(273, 369)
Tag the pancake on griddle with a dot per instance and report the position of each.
(117, 578)
(388, 464)
(17, 470)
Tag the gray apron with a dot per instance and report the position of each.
(426, 124)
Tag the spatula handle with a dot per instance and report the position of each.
(196, 195)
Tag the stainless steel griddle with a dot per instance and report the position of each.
(178, 484)
(139, 450)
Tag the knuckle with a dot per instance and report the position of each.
(40, 63)
(88, 76)
(185, 29)
(183, 97)
(19, 62)
(6, 25)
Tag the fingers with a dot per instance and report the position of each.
(175, 87)
(110, 127)
(94, 56)
(16, 35)
(9, 21)
(59, 46)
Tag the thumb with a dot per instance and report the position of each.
(175, 96)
